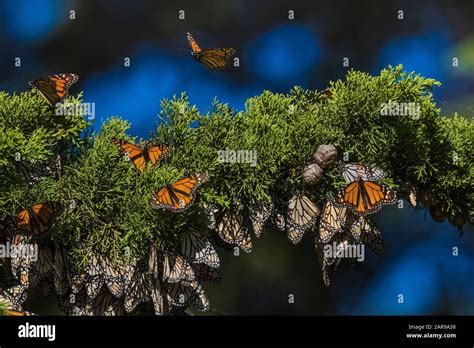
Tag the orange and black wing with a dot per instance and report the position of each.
(365, 197)
(132, 153)
(55, 88)
(179, 195)
(216, 58)
(37, 218)
(213, 58)
(157, 153)
(194, 46)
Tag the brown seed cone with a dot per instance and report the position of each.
(437, 213)
(427, 198)
(312, 173)
(325, 156)
(457, 220)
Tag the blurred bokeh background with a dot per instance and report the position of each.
(275, 54)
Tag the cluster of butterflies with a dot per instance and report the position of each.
(105, 289)
(173, 279)
(343, 219)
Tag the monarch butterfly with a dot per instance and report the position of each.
(102, 271)
(359, 171)
(212, 58)
(55, 88)
(334, 218)
(44, 288)
(181, 295)
(154, 291)
(176, 268)
(34, 170)
(205, 273)
(12, 313)
(279, 221)
(180, 195)
(365, 197)
(137, 290)
(302, 214)
(104, 305)
(259, 216)
(28, 271)
(232, 230)
(184, 295)
(36, 219)
(140, 156)
(330, 261)
(61, 271)
(365, 231)
(14, 297)
(198, 249)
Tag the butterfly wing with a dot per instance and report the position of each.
(180, 195)
(359, 171)
(206, 273)
(36, 219)
(259, 217)
(365, 231)
(232, 230)
(198, 249)
(131, 152)
(365, 197)
(194, 46)
(176, 269)
(137, 289)
(157, 153)
(334, 218)
(302, 214)
(14, 297)
(216, 58)
(55, 88)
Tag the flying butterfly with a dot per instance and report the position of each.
(37, 218)
(302, 214)
(55, 88)
(212, 58)
(180, 195)
(140, 156)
